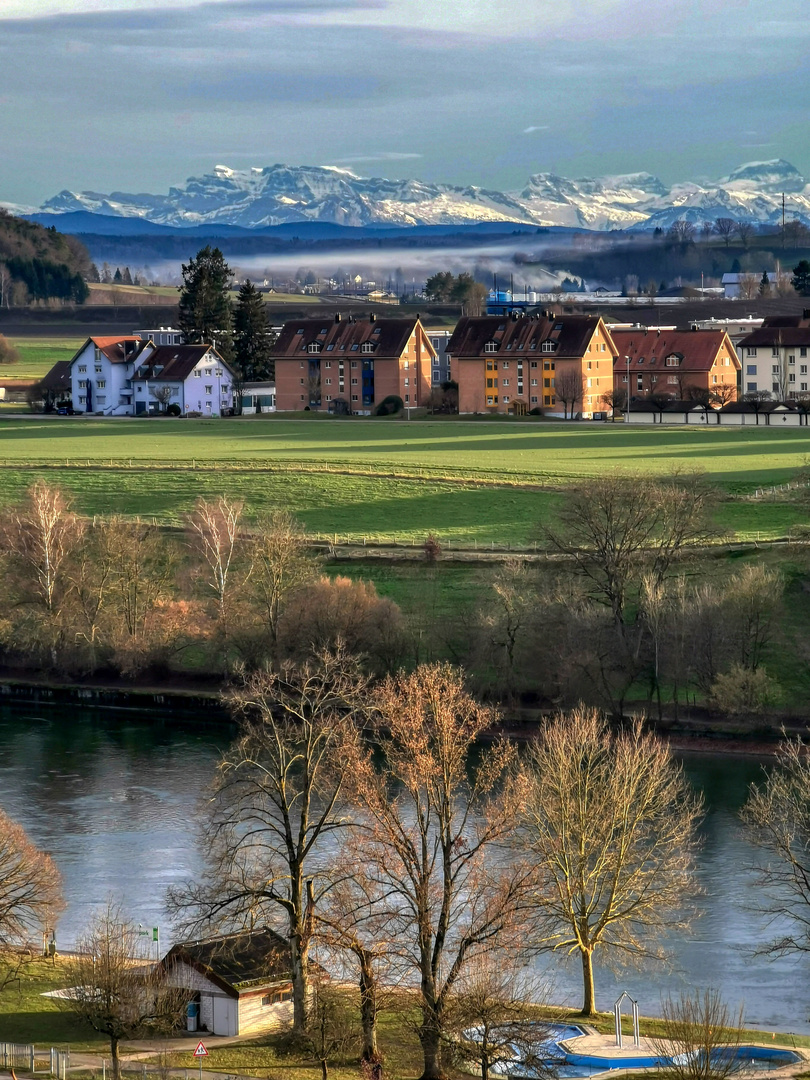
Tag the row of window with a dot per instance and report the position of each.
(775, 350)
(366, 347)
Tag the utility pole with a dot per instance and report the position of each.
(783, 221)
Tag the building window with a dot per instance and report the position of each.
(505, 398)
(791, 377)
(802, 369)
(99, 369)
(314, 347)
(368, 346)
(101, 399)
(774, 351)
(547, 346)
(750, 388)
(791, 359)
(198, 374)
(355, 347)
(803, 386)
(82, 369)
(101, 384)
(534, 401)
(328, 382)
(775, 388)
(803, 350)
(505, 382)
(218, 372)
(82, 399)
(673, 361)
(775, 369)
(354, 382)
(751, 369)
(534, 382)
(327, 363)
(354, 397)
(505, 364)
(491, 347)
(209, 389)
(670, 379)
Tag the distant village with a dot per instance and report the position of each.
(511, 361)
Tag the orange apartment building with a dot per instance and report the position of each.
(322, 362)
(675, 362)
(512, 363)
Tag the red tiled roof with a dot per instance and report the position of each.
(524, 336)
(119, 350)
(390, 336)
(698, 348)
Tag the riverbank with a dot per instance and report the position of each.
(200, 700)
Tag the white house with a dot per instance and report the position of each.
(258, 397)
(195, 378)
(163, 335)
(731, 282)
(101, 374)
(236, 983)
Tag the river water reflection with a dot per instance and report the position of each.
(113, 795)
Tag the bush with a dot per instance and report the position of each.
(742, 692)
(390, 406)
(8, 353)
(173, 409)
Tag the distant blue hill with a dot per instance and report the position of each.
(85, 223)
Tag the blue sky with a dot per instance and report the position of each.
(137, 95)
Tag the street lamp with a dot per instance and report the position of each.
(627, 410)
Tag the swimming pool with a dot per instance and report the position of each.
(562, 1063)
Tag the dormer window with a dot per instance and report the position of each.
(322, 331)
(491, 347)
(376, 330)
(314, 347)
(547, 346)
(368, 346)
(299, 332)
(641, 359)
(673, 360)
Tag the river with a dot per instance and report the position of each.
(113, 796)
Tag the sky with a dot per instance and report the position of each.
(139, 95)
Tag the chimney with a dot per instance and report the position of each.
(372, 317)
(337, 316)
(806, 313)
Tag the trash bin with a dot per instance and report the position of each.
(192, 1016)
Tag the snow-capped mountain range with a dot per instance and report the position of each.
(281, 193)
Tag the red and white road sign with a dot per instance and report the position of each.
(200, 1051)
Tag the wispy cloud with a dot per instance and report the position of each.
(535, 127)
(383, 155)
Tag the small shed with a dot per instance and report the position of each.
(237, 983)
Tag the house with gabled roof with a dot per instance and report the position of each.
(101, 374)
(675, 363)
(776, 357)
(516, 363)
(55, 387)
(237, 983)
(360, 362)
(194, 378)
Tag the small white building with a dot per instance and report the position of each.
(164, 335)
(258, 397)
(236, 983)
(101, 374)
(194, 378)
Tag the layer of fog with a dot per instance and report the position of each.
(396, 268)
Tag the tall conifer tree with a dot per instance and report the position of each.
(251, 336)
(205, 309)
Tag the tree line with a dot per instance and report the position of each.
(368, 821)
(39, 264)
(617, 610)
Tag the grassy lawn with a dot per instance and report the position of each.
(28, 1017)
(392, 479)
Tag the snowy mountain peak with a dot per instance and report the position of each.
(274, 194)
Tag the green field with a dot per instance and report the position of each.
(392, 479)
(38, 355)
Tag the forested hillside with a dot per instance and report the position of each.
(40, 264)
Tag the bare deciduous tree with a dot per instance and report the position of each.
(569, 387)
(725, 228)
(493, 1018)
(30, 886)
(162, 393)
(115, 988)
(619, 525)
(279, 794)
(748, 286)
(610, 822)
(331, 1029)
(745, 230)
(778, 818)
(434, 822)
(216, 530)
(699, 1036)
(282, 564)
(723, 393)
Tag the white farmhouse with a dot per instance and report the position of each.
(101, 374)
(195, 378)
